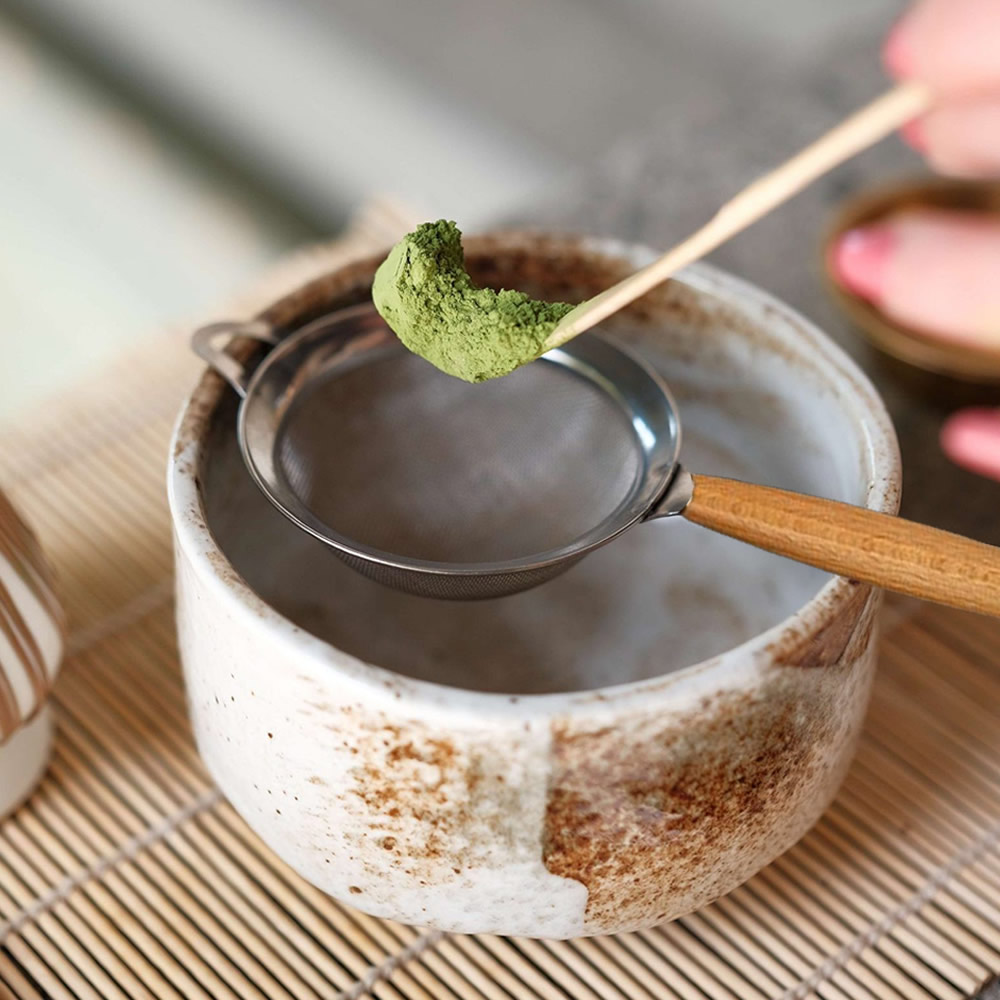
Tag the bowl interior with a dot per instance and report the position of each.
(758, 400)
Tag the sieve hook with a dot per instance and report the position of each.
(203, 343)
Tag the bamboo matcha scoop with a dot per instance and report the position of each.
(424, 293)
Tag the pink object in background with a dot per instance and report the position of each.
(859, 260)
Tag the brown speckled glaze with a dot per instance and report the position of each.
(615, 749)
(657, 815)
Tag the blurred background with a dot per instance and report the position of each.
(154, 157)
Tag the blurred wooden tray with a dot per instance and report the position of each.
(127, 875)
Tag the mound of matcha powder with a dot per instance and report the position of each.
(423, 292)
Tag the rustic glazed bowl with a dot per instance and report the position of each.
(31, 646)
(610, 750)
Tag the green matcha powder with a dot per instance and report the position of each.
(423, 292)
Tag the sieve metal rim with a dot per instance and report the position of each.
(661, 451)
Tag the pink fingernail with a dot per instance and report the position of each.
(897, 53)
(972, 439)
(860, 257)
(915, 133)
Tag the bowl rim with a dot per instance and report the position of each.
(743, 663)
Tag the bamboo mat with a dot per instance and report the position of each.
(127, 874)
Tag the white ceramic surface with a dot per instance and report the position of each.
(613, 749)
(23, 760)
(31, 645)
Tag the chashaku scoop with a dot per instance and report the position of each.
(451, 490)
(476, 334)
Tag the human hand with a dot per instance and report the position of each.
(939, 271)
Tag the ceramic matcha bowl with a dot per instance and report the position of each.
(611, 750)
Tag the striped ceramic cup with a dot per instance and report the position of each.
(31, 647)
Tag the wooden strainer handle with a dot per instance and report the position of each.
(899, 555)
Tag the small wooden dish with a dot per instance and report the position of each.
(902, 342)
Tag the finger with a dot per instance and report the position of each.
(960, 139)
(934, 271)
(971, 439)
(950, 44)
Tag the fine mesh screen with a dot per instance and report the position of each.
(395, 455)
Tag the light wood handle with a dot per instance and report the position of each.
(854, 134)
(861, 544)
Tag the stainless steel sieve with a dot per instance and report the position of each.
(445, 489)
(438, 487)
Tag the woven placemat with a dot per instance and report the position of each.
(127, 874)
